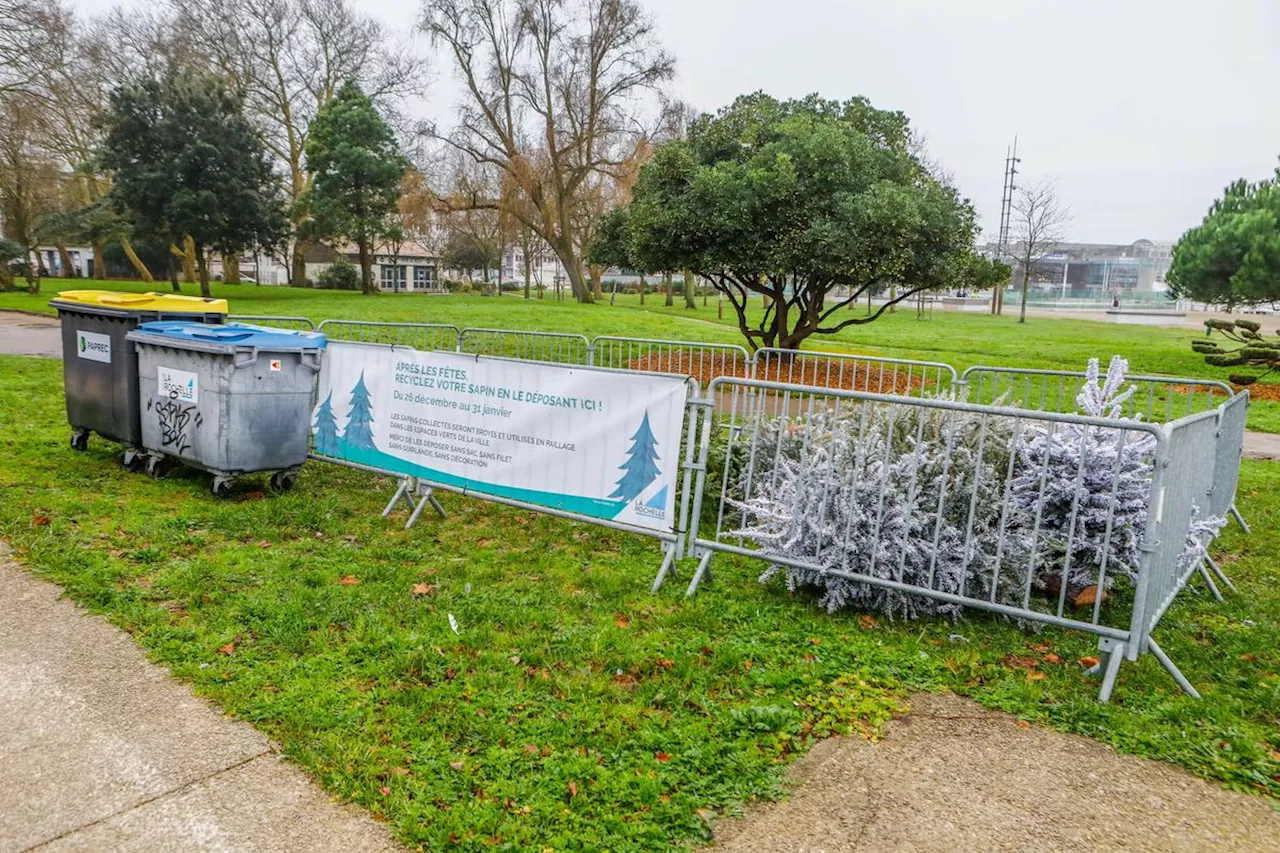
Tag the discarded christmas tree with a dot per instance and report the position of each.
(326, 428)
(641, 467)
(359, 431)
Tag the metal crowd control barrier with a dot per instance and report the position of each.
(854, 372)
(428, 337)
(702, 361)
(908, 482)
(554, 347)
(673, 543)
(301, 324)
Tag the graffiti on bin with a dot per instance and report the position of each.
(175, 420)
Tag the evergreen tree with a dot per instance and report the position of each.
(326, 428)
(358, 167)
(359, 431)
(641, 467)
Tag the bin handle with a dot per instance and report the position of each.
(311, 360)
(213, 333)
(248, 362)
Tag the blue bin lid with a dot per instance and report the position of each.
(235, 335)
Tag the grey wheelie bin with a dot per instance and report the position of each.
(231, 400)
(100, 367)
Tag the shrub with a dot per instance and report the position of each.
(340, 275)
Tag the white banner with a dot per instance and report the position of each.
(599, 444)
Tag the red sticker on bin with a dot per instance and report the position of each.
(275, 364)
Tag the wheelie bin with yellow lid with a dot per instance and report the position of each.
(100, 366)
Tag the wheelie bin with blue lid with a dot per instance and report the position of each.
(232, 399)
(100, 366)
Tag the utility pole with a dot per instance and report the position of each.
(1011, 161)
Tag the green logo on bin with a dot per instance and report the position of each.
(82, 343)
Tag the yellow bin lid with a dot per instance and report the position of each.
(171, 303)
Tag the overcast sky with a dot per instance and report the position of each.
(1141, 111)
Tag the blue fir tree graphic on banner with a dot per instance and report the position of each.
(326, 428)
(359, 432)
(641, 467)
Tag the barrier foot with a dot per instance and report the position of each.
(1110, 654)
(704, 571)
(1217, 570)
(1173, 670)
(668, 560)
(426, 495)
(1236, 513)
(402, 494)
(1213, 588)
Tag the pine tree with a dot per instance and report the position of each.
(641, 467)
(359, 431)
(326, 428)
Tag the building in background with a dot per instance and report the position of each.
(1097, 270)
(408, 267)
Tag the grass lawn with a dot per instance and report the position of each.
(958, 339)
(571, 710)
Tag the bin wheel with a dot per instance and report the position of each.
(80, 440)
(130, 460)
(154, 466)
(282, 481)
(222, 486)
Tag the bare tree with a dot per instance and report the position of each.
(1039, 224)
(29, 34)
(286, 59)
(551, 92)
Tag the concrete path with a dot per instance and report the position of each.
(951, 776)
(102, 750)
(27, 334)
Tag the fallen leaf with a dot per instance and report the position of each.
(1023, 724)
(1017, 662)
(424, 589)
(1249, 657)
(400, 771)
(349, 580)
(457, 765)
(385, 791)
(228, 648)
(1275, 754)
(1052, 658)
(1088, 662)
(573, 789)
(1086, 596)
(865, 622)
(815, 641)
(1035, 675)
(664, 663)
(662, 756)
(40, 520)
(746, 665)
(531, 748)
(622, 621)
(264, 544)
(1042, 647)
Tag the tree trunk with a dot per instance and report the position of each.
(528, 272)
(189, 260)
(643, 285)
(578, 285)
(893, 294)
(99, 262)
(298, 271)
(597, 291)
(666, 288)
(68, 269)
(172, 267)
(690, 298)
(231, 267)
(366, 267)
(143, 272)
(1026, 279)
(202, 268)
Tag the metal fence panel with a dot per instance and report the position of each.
(1229, 450)
(555, 347)
(1184, 496)
(426, 337)
(871, 374)
(1157, 399)
(702, 361)
(921, 484)
(301, 324)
